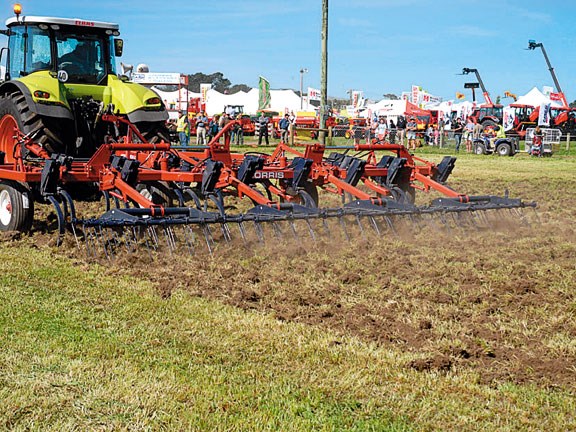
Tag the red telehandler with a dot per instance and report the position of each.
(562, 117)
(489, 113)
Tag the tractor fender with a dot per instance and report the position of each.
(12, 86)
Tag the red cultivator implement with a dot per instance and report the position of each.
(156, 195)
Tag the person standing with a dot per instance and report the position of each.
(458, 127)
(239, 132)
(183, 128)
(477, 131)
(469, 134)
(201, 124)
(401, 128)
(381, 129)
(411, 127)
(263, 128)
(284, 126)
(392, 130)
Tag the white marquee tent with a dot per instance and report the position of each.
(281, 100)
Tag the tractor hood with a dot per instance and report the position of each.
(48, 96)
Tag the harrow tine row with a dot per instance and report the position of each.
(185, 228)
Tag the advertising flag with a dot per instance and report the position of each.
(357, 98)
(204, 92)
(544, 115)
(263, 94)
(508, 117)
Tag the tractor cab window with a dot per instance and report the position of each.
(29, 50)
(17, 52)
(38, 51)
(82, 57)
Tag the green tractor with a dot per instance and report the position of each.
(60, 77)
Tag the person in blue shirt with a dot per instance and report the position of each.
(284, 126)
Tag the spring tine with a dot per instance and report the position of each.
(153, 236)
(108, 240)
(326, 228)
(293, 229)
(277, 230)
(100, 237)
(343, 225)
(134, 240)
(374, 225)
(226, 233)
(242, 230)
(189, 238)
(310, 229)
(360, 227)
(208, 237)
(391, 225)
(88, 241)
(259, 231)
(169, 239)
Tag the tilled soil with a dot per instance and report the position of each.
(497, 299)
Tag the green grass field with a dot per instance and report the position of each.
(88, 346)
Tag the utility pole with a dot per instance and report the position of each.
(302, 72)
(324, 72)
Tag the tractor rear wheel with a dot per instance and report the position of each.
(154, 132)
(16, 207)
(14, 107)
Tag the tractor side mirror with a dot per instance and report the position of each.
(118, 47)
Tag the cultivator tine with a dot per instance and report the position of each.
(277, 230)
(344, 229)
(390, 224)
(293, 229)
(242, 230)
(208, 237)
(311, 229)
(359, 222)
(170, 239)
(326, 227)
(375, 225)
(153, 236)
(226, 233)
(259, 231)
(189, 238)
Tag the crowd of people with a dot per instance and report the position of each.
(406, 130)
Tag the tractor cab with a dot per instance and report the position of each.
(71, 50)
(61, 76)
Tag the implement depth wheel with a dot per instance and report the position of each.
(309, 195)
(16, 207)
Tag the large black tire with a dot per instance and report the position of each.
(157, 192)
(16, 207)
(154, 132)
(14, 104)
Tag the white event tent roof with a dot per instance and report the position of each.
(280, 100)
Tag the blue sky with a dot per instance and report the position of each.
(378, 46)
